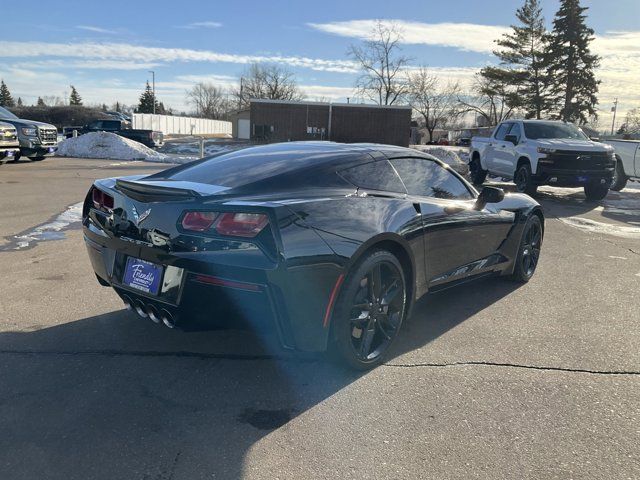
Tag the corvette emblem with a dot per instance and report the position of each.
(139, 218)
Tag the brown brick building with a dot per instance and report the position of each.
(282, 121)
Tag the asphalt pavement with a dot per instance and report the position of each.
(490, 381)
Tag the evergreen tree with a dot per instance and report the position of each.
(6, 100)
(74, 98)
(40, 102)
(571, 64)
(523, 60)
(19, 104)
(147, 101)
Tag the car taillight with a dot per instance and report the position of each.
(101, 200)
(198, 221)
(241, 224)
(234, 224)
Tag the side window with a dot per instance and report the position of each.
(96, 124)
(502, 131)
(378, 175)
(516, 131)
(424, 177)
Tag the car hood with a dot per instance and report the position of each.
(573, 144)
(26, 123)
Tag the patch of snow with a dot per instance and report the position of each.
(113, 147)
(592, 226)
(52, 230)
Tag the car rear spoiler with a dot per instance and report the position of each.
(150, 191)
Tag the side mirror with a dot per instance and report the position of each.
(511, 138)
(489, 195)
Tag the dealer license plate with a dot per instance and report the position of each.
(142, 275)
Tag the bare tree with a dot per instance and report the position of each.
(267, 81)
(382, 79)
(435, 103)
(208, 100)
(491, 99)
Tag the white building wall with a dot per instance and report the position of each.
(169, 124)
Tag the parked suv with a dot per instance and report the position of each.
(9, 145)
(37, 140)
(536, 152)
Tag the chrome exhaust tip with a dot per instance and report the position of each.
(167, 319)
(153, 313)
(127, 302)
(140, 310)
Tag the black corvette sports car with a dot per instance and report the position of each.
(326, 244)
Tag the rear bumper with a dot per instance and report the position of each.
(572, 178)
(211, 295)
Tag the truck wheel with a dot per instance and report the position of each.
(595, 191)
(477, 174)
(524, 181)
(619, 180)
(36, 159)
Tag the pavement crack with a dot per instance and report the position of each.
(513, 365)
(301, 359)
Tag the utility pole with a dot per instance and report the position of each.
(614, 109)
(153, 77)
(240, 99)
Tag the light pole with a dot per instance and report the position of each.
(614, 109)
(153, 80)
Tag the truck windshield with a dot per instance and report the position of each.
(536, 131)
(4, 113)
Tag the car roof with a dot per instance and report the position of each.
(282, 160)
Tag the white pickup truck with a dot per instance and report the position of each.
(540, 152)
(627, 162)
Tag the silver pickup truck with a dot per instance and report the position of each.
(37, 140)
(627, 153)
(9, 145)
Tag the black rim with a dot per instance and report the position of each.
(531, 248)
(521, 179)
(377, 310)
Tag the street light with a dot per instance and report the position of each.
(153, 77)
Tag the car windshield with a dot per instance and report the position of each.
(4, 113)
(536, 131)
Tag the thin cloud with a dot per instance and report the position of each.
(194, 25)
(462, 36)
(91, 28)
(123, 51)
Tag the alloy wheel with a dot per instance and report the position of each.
(531, 248)
(377, 311)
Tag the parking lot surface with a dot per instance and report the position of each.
(490, 380)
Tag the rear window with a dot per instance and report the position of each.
(243, 167)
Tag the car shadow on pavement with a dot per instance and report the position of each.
(114, 396)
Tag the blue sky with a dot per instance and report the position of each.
(105, 49)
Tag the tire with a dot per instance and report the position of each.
(619, 180)
(528, 250)
(524, 180)
(595, 191)
(477, 174)
(36, 159)
(368, 314)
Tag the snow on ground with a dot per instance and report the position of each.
(53, 230)
(456, 157)
(113, 147)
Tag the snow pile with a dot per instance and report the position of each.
(114, 147)
(456, 157)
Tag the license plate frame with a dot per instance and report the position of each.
(143, 275)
